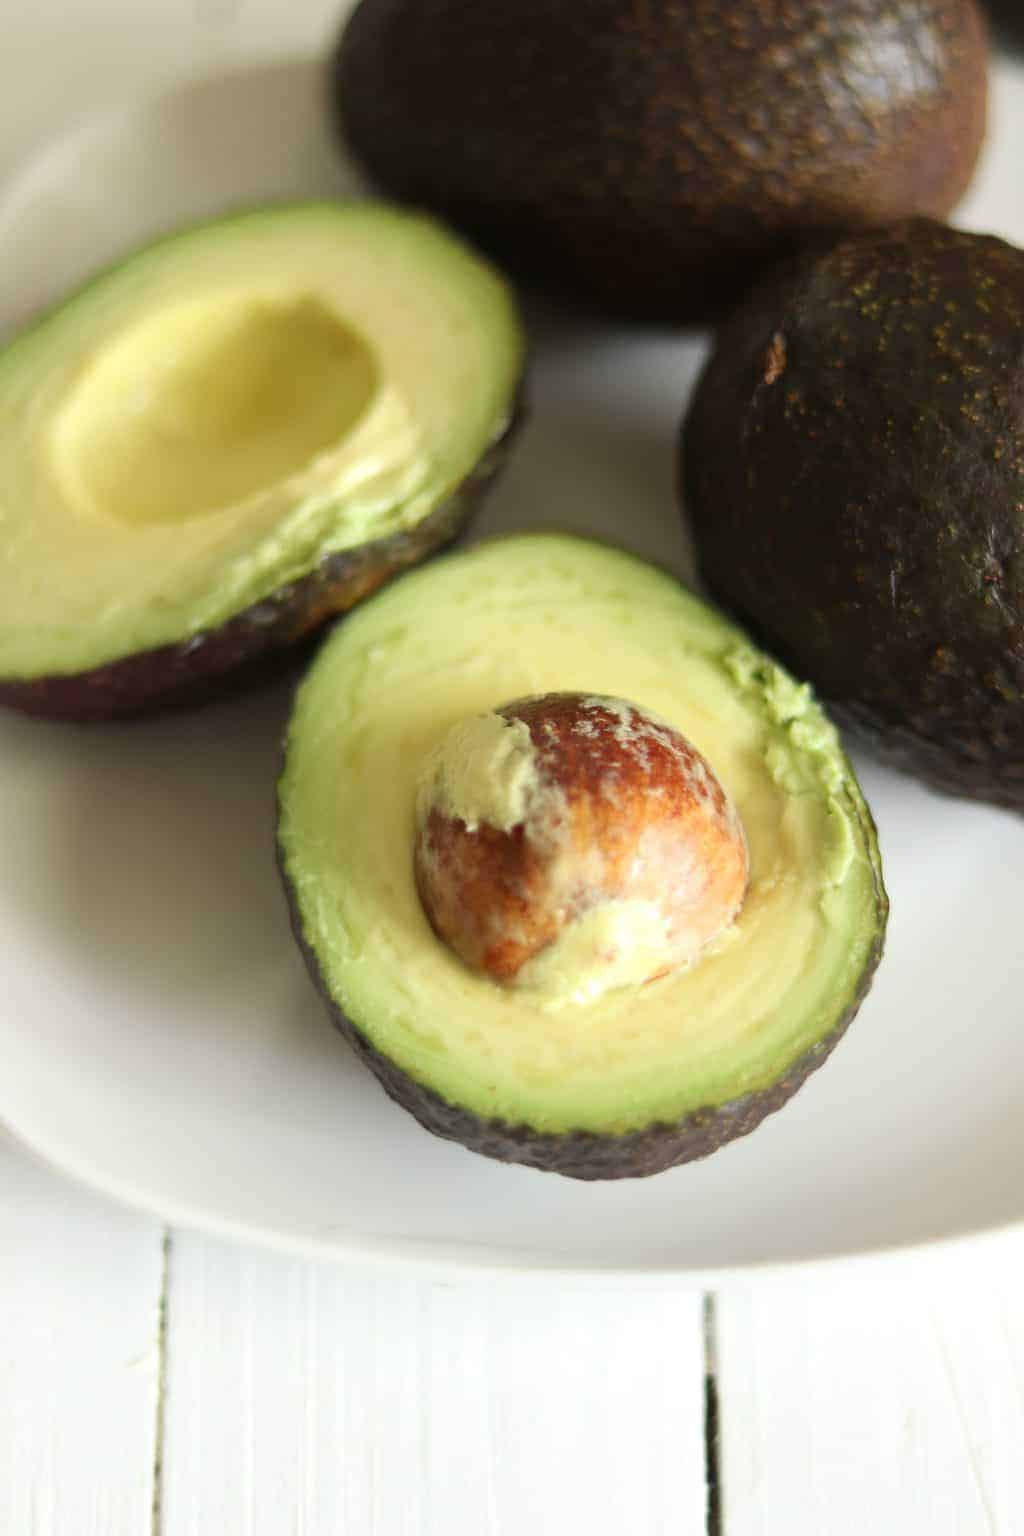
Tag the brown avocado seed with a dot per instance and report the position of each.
(572, 843)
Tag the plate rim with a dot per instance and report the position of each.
(447, 1262)
(443, 1259)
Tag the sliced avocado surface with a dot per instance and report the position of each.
(642, 1077)
(229, 410)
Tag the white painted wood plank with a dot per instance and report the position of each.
(79, 1314)
(309, 1400)
(855, 1406)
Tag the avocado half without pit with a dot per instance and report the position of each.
(234, 435)
(585, 878)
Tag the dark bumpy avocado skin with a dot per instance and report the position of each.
(853, 467)
(211, 663)
(649, 156)
(584, 1154)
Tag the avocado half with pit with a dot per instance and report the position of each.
(237, 433)
(641, 1077)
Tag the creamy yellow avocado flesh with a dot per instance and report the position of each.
(537, 614)
(202, 424)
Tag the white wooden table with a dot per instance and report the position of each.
(162, 1383)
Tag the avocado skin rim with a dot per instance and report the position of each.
(216, 662)
(590, 1155)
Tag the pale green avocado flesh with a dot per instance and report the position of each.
(535, 614)
(205, 423)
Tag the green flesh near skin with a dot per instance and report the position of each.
(210, 421)
(529, 615)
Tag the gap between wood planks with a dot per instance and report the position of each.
(712, 1451)
(712, 1524)
(156, 1518)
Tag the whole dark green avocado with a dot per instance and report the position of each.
(853, 467)
(649, 156)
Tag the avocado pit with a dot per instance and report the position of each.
(571, 844)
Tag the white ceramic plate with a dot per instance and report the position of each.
(160, 1038)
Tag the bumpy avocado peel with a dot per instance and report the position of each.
(652, 158)
(853, 470)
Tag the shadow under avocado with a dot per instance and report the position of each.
(597, 454)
